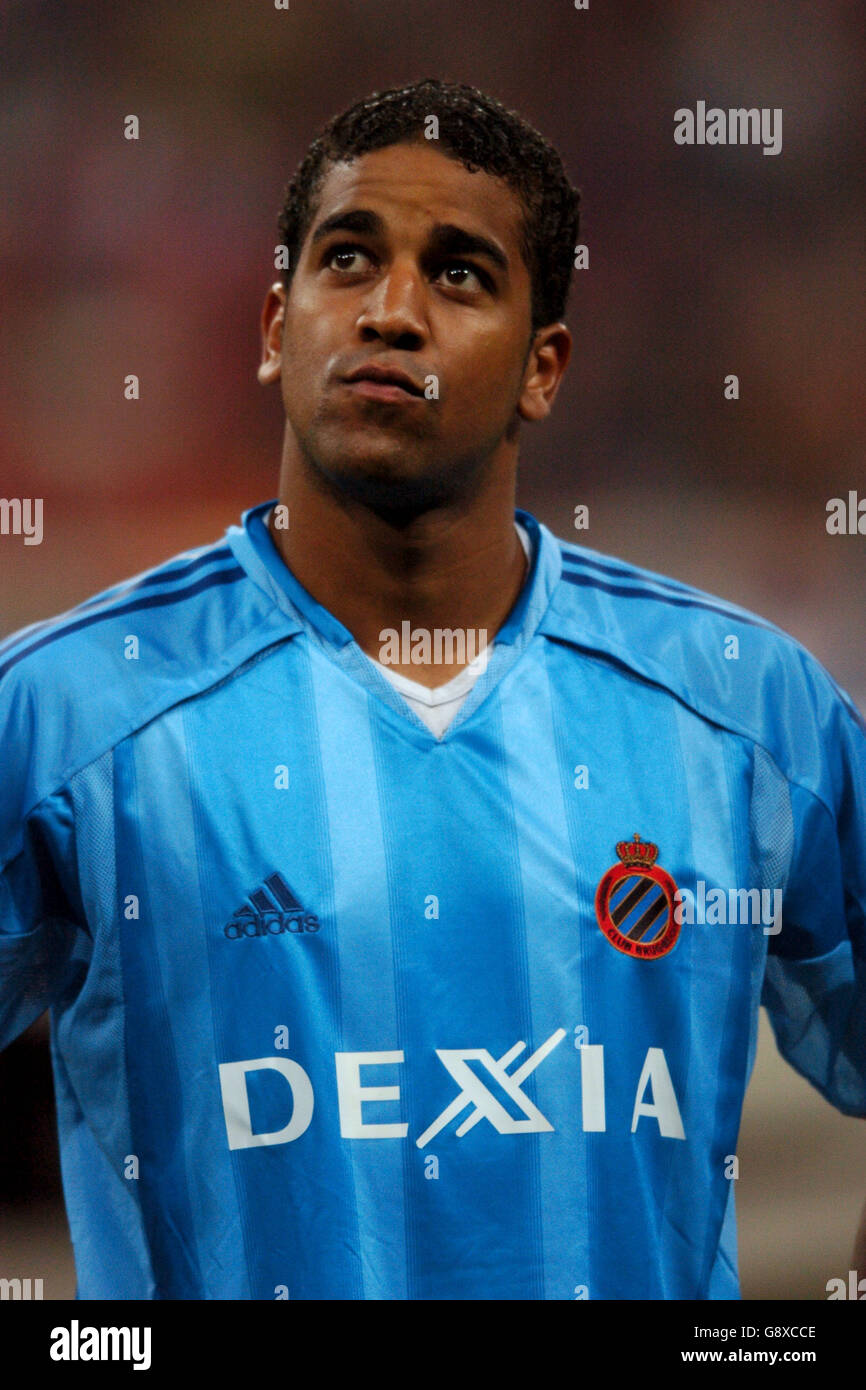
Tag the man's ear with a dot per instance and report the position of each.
(273, 315)
(547, 360)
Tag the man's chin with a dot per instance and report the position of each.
(389, 492)
(384, 484)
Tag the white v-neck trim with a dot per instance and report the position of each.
(437, 694)
(437, 706)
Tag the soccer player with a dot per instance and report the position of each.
(405, 882)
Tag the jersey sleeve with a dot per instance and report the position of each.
(40, 910)
(815, 978)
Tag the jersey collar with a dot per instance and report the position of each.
(255, 551)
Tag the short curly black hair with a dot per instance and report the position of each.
(480, 133)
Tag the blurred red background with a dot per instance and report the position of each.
(153, 256)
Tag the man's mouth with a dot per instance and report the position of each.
(380, 383)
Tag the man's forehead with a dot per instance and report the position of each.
(414, 180)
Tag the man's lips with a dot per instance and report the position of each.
(383, 383)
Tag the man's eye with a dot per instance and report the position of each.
(346, 259)
(461, 276)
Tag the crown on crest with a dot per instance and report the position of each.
(638, 853)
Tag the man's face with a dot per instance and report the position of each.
(411, 265)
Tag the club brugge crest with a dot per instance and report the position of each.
(635, 903)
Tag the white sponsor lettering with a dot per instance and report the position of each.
(474, 1092)
(663, 1107)
(236, 1102)
(592, 1087)
(655, 1097)
(351, 1095)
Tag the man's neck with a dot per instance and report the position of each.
(451, 570)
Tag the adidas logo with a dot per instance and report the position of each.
(271, 910)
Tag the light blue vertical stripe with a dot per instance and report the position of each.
(215, 1209)
(534, 771)
(113, 1259)
(367, 986)
(152, 1060)
(718, 977)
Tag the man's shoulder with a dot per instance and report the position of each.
(725, 662)
(156, 599)
(75, 684)
(613, 585)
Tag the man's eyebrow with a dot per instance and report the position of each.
(362, 221)
(447, 239)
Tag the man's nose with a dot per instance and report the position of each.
(394, 310)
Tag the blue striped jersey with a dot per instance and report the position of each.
(341, 1010)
